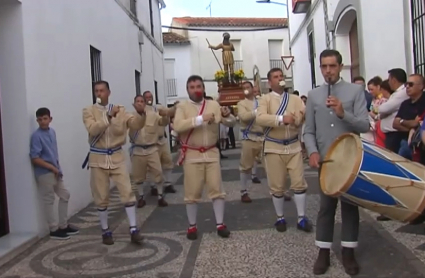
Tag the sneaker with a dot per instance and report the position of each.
(59, 235)
(70, 230)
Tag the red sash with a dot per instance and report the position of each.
(184, 146)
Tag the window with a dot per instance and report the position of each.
(155, 84)
(312, 56)
(170, 77)
(133, 7)
(137, 83)
(95, 64)
(237, 54)
(151, 17)
(275, 54)
(418, 30)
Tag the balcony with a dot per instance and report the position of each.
(238, 65)
(171, 87)
(277, 63)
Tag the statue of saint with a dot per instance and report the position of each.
(227, 56)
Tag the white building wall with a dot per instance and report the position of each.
(51, 68)
(182, 70)
(381, 48)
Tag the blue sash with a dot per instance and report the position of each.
(94, 141)
(248, 128)
(133, 142)
(280, 111)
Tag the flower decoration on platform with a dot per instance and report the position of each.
(239, 75)
(219, 75)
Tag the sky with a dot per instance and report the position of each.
(220, 8)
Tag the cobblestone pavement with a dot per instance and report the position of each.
(254, 249)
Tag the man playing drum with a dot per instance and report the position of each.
(252, 138)
(196, 121)
(329, 114)
(282, 115)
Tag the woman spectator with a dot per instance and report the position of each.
(385, 91)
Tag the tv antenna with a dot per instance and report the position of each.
(209, 7)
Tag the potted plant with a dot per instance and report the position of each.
(219, 76)
(239, 75)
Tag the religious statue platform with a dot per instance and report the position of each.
(230, 94)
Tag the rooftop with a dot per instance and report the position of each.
(231, 21)
(169, 37)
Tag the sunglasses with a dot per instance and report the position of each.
(409, 84)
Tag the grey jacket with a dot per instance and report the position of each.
(322, 126)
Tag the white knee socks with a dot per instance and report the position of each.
(244, 182)
(103, 216)
(254, 169)
(218, 206)
(278, 205)
(299, 200)
(192, 211)
(131, 214)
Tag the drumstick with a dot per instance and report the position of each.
(325, 161)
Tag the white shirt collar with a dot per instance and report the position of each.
(101, 106)
(401, 88)
(198, 103)
(339, 80)
(276, 94)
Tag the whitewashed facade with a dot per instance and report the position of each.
(261, 48)
(50, 53)
(372, 36)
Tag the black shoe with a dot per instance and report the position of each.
(154, 191)
(305, 225)
(107, 238)
(382, 218)
(222, 231)
(169, 189)
(223, 157)
(280, 225)
(256, 180)
(70, 230)
(59, 235)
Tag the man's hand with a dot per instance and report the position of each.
(139, 107)
(208, 118)
(313, 160)
(225, 111)
(289, 119)
(162, 112)
(114, 111)
(336, 105)
(57, 172)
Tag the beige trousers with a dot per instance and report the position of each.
(100, 181)
(277, 168)
(251, 150)
(196, 175)
(165, 157)
(48, 185)
(141, 165)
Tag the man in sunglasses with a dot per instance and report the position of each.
(411, 112)
(388, 111)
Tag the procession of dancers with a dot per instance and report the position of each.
(271, 125)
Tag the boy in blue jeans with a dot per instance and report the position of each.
(49, 176)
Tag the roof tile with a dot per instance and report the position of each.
(169, 37)
(231, 21)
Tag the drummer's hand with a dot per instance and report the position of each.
(336, 105)
(314, 159)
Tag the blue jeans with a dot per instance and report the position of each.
(404, 150)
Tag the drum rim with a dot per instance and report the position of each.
(357, 162)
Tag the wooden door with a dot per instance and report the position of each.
(354, 50)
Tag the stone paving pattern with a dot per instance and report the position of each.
(254, 250)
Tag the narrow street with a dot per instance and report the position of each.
(254, 250)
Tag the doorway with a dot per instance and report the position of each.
(354, 50)
(312, 56)
(4, 215)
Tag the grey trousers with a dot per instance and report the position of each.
(326, 221)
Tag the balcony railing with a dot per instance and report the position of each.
(277, 63)
(238, 65)
(171, 87)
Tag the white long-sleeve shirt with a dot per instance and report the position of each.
(388, 110)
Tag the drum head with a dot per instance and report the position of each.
(341, 164)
